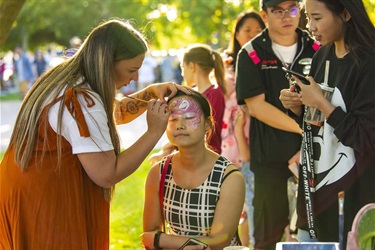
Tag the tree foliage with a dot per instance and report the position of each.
(166, 23)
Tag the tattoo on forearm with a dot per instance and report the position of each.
(132, 107)
(148, 96)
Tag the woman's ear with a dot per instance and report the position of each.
(192, 66)
(345, 15)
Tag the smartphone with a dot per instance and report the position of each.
(193, 242)
(299, 75)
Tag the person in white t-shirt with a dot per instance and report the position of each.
(64, 158)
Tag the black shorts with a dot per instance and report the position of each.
(271, 209)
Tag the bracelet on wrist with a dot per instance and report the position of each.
(157, 239)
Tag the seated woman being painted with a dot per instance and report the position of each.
(202, 192)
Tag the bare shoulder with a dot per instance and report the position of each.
(233, 183)
(233, 174)
(153, 176)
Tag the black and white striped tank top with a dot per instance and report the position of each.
(190, 212)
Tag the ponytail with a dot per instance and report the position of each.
(207, 59)
(219, 71)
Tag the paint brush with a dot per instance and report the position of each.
(341, 197)
(135, 98)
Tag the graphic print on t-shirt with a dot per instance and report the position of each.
(337, 159)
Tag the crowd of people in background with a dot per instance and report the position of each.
(19, 69)
(238, 113)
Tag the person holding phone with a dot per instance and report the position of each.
(275, 137)
(343, 149)
(197, 192)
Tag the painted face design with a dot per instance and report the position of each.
(187, 109)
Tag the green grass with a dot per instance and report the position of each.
(126, 210)
(11, 97)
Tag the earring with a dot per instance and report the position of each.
(346, 15)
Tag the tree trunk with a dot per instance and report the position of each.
(9, 10)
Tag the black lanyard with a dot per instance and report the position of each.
(308, 176)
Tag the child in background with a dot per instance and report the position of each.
(198, 62)
(247, 25)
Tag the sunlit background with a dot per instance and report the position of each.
(167, 24)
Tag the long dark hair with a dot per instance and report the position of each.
(234, 46)
(359, 32)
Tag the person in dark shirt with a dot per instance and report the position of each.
(343, 151)
(275, 137)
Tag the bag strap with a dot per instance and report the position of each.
(161, 187)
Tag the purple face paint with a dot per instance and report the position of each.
(187, 109)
